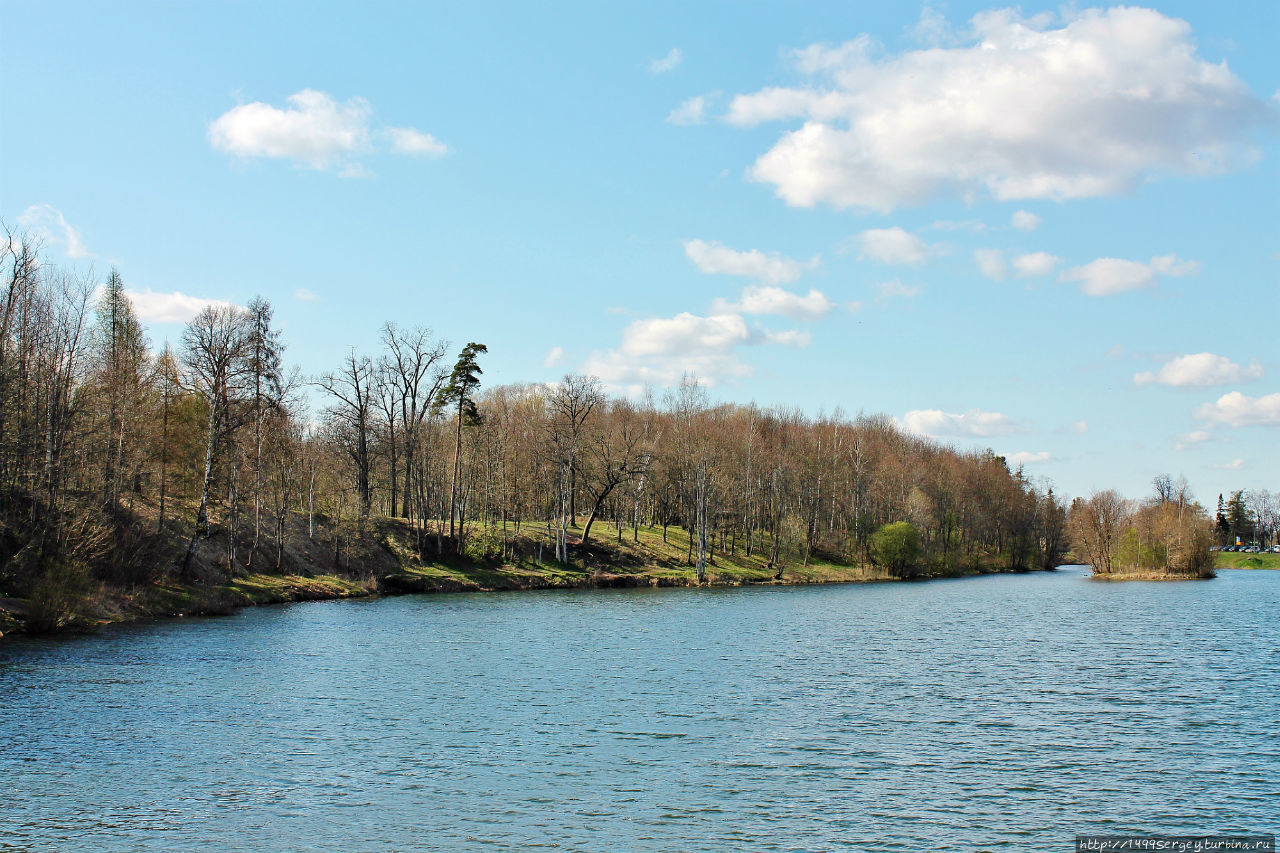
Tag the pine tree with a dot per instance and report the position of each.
(264, 353)
(121, 349)
(458, 394)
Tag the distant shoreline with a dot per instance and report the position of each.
(167, 600)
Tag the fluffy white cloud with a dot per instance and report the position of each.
(1034, 264)
(894, 246)
(1202, 370)
(175, 307)
(1237, 410)
(409, 140)
(553, 357)
(1027, 108)
(771, 268)
(973, 423)
(314, 130)
(1080, 427)
(761, 299)
(47, 222)
(303, 295)
(691, 111)
(1025, 457)
(991, 263)
(684, 332)
(1233, 465)
(659, 351)
(1107, 276)
(1024, 220)
(667, 63)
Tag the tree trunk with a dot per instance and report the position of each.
(202, 511)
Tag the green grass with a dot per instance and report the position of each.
(1236, 560)
(643, 559)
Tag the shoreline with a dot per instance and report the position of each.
(167, 600)
(1119, 577)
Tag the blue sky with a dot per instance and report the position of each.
(1052, 231)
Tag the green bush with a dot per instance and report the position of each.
(896, 547)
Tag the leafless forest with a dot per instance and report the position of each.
(108, 446)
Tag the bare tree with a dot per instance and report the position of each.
(573, 401)
(352, 389)
(618, 453)
(414, 361)
(1096, 525)
(215, 353)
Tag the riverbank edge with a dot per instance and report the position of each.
(1117, 577)
(174, 601)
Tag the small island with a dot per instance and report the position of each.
(1166, 537)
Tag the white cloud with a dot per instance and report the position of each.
(684, 332)
(894, 246)
(1035, 264)
(553, 357)
(932, 27)
(1236, 410)
(1170, 265)
(316, 131)
(1191, 439)
(973, 423)
(1025, 110)
(788, 338)
(303, 295)
(1233, 465)
(175, 307)
(895, 287)
(661, 350)
(1025, 457)
(691, 111)
(1024, 221)
(409, 140)
(760, 299)
(1202, 370)
(1080, 427)
(1107, 276)
(771, 268)
(667, 63)
(47, 223)
(991, 263)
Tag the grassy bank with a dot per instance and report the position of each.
(1234, 560)
(1154, 575)
(331, 562)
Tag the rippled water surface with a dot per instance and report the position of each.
(988, 713)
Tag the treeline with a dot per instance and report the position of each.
(1168, 533)
(1248, 518)
(108, 446)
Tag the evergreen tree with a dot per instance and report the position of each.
(1239, 518)
(121, 349)
(264, 352)
(459, 395)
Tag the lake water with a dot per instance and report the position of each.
(1007, 712)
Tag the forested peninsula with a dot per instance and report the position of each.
(139, 481)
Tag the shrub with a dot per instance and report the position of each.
(896, 547)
